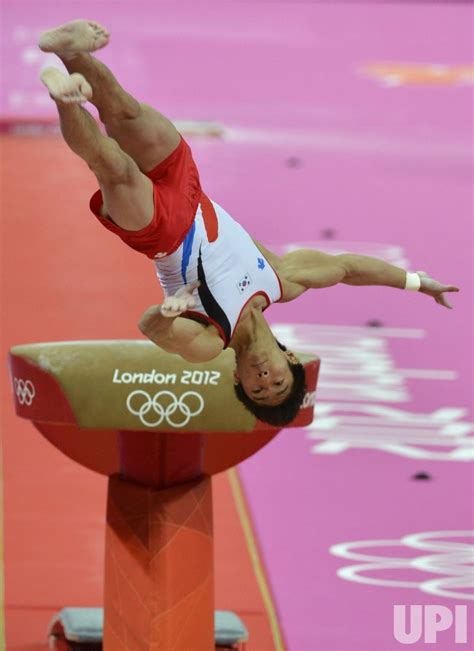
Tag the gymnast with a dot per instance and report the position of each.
(217, 280)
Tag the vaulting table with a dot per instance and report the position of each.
(159, 427)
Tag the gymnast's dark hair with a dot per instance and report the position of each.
(285, 412)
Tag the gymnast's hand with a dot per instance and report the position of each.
(435, 289)
(183, 300)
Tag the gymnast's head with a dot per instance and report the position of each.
(270, 384)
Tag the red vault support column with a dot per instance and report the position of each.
(159, 567)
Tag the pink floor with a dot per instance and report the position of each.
(315, 151)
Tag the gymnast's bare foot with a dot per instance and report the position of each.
(68, 89)
(74, 37)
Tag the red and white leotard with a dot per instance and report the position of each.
(230, 268)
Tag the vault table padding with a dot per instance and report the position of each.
(123, 406)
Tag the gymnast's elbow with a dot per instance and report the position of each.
(149, 323)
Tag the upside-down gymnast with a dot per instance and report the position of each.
(216, 279)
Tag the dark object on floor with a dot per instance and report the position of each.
(422, 476)
(293, 161)
(374, 323)
(328, 233)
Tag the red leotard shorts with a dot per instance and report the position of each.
(177, 192)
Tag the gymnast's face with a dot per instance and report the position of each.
(265, 375)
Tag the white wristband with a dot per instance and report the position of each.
(413, 282)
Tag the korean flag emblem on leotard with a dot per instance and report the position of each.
(244, 283)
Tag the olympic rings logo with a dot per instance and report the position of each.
(24, 391)
(451, 560)
(152, 412)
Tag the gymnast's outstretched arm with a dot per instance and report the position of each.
(310, 269)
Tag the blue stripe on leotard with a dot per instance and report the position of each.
(187, 248)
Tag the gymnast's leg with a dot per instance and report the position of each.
(127, 192)
(144, 134)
